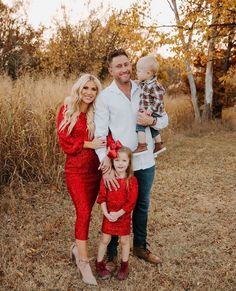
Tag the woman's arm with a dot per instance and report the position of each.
(69, 144)
(96, 143)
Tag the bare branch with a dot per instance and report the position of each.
(171, 7)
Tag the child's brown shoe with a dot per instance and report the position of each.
(159, 148)
(102, 272)
(123, 271)
(142, 148)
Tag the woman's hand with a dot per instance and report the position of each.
(105, 165)
(96, 143)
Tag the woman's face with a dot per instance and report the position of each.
(88, 92)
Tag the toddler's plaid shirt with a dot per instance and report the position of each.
(151, 96)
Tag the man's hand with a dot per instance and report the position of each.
(144, 119)
(105, 165)
(110, 180)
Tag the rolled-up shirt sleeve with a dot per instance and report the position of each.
(101, 119)
(162, 122)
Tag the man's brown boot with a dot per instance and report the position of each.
(143, 253)
(142, 148)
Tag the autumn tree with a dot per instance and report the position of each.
(202, 28)
(85, 46)
(19, 42)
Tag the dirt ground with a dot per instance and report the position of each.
(191, 226)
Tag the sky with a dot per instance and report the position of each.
(43, 11)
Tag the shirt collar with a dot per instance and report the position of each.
(114, 88)
(152, 82)
(149, 83)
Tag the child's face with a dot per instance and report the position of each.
(121, 163)
(143, 72)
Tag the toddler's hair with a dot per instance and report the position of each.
(150, 62)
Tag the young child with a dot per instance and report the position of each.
(117, 207)
(151, 102)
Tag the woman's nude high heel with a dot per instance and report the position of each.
(83, 266)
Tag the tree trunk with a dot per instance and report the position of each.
(190, 76)
(193, 91)
(207, 112)
(228, 51)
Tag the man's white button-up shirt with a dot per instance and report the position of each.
(116, 112)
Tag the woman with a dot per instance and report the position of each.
(76, 137)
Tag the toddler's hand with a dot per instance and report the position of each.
(149, 112)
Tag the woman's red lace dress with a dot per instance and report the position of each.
(122, 198)
(81, 169)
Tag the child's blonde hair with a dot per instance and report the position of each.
(129, 170)
(149, 62)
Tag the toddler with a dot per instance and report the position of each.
(117, 206)
(151, 102)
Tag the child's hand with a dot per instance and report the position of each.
(109, 217)
(115, 215)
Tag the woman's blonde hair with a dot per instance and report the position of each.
(72, 105)
(129, 170)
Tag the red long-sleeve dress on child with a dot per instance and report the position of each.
(81, 169)
(124, 199)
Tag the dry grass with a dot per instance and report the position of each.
(191, 225)
(29, 149)
(192, 215)
(229, 117)
(180, 112)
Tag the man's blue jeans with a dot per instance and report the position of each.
(140, 213)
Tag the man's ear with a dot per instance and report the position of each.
(110, 70)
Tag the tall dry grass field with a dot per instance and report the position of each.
(28, 107)
(29, 149)
(192, 213)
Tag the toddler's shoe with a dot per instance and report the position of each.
(142, 148)
(102, 272)
(123, 271)
(159, 148)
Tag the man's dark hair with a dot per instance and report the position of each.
(116, 53)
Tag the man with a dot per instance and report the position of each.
(117, 110)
